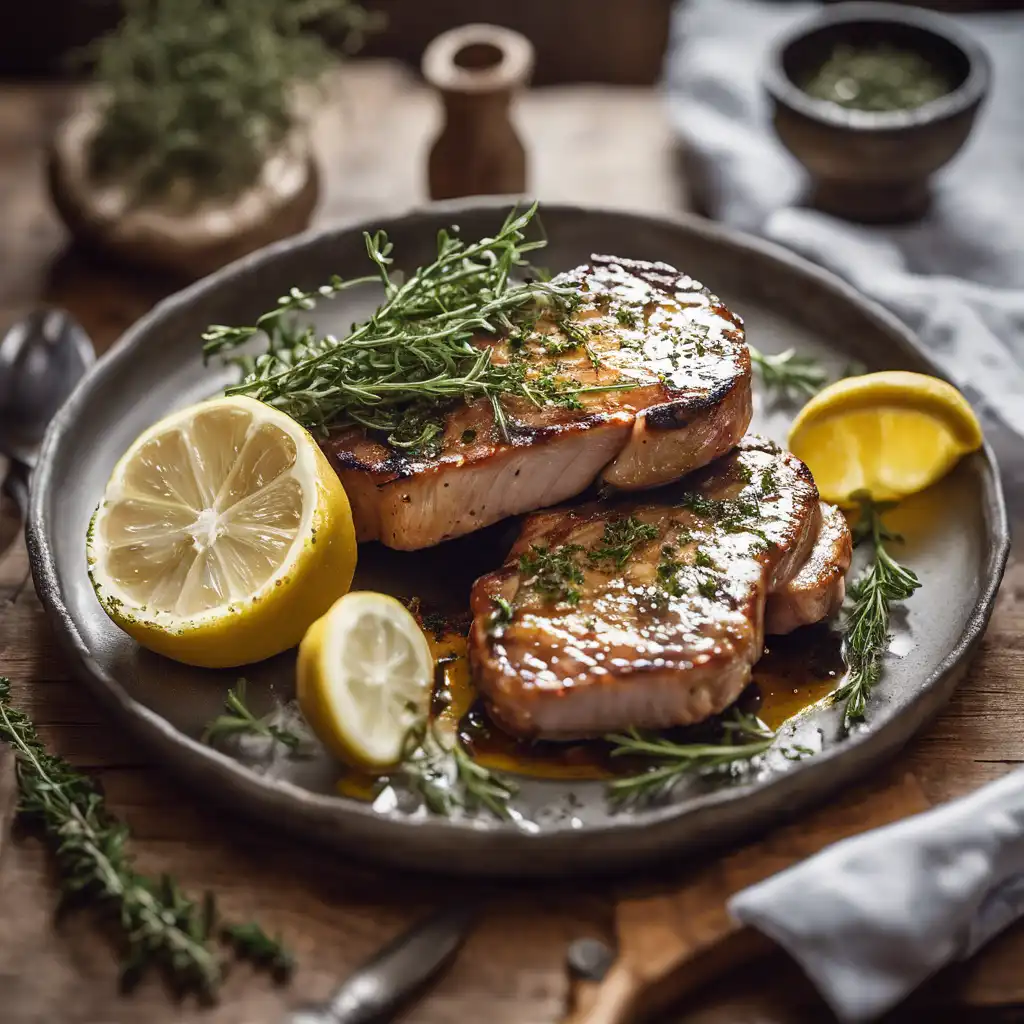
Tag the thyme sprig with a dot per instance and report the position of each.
(789, 375)
(416, 354)
(159, 925)
(866, 629)
(743, 739)
(238, 720)
(446, 777)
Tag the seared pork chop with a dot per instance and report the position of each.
(816, 592)
(654, 378)
(648, 613)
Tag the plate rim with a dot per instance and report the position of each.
(263, 793)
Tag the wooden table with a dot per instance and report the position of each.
(589, 144)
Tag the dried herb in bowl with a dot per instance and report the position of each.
(877, 78)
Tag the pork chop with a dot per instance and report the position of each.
(817, 591)
(652, 381)
(648, 613)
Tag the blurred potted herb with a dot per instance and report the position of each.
(193, 148)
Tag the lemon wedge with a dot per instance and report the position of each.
(890, 434)
(222, 534)
(365, 677)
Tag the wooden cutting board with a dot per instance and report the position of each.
(672, 942)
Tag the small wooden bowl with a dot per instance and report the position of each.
(867, 165)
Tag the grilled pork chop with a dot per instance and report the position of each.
(655, 377)
(651, 613)
(816, 592)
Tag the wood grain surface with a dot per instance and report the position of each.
(589, 144)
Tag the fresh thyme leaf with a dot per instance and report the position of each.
(250, 942)
(416, 351)
(703, 560)
(627, 316)
(447, 777)
(239, 720)
(866, 629)
(480, 786)
(620, 539)
(553, 572)
(743, 739)
(668, 570)
(788, 374)
(500, 617)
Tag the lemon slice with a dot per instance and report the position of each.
(222, 534)
(890, 434)
(365, 677)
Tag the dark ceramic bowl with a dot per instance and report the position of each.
(868, 165)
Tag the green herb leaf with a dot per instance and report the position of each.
(789, 375)
(446, 777)
(416, 354)
(866, 628)
(553, 572)
(239, 720)
(620, 539)
(744, 738)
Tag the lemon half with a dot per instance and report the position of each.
(891, 434)
(222, 534)
(365, 676)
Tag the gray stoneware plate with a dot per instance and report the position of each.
(957, 542)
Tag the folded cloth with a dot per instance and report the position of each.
(956, 277)
(870, 918)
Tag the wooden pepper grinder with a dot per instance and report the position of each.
(477, 69)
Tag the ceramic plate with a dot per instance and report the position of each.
(956, 541)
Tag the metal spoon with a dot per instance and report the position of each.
(42, 358)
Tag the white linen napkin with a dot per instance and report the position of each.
(872, 917)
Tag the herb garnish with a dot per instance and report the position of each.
(239, 720)
(744, 738)
(251, 942)
(553, 572)
(621, 538)
(790, 375)
(447, 777)
(500, 617)
(159, 925)
(866, 628)
(668, 581)
(416, 352)
(627, 317)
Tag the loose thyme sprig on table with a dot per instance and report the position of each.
(159, 925)
(238, 720)
(789, 375)
(446, 777)
(744, 738)
(866, 629)
(400, 369)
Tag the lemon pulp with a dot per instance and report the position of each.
(891, 434)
